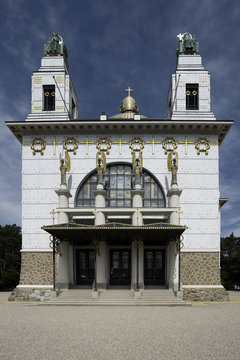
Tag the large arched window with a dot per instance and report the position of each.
(119, 183)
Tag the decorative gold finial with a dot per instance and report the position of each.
(95, 215)
(138, 212)
(179, 214)
(129, 90)
(53, 213)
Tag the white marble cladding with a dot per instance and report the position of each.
(191, 77)
(197, 177)
(190, 71)
(53, 66)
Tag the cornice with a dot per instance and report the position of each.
(95, 126)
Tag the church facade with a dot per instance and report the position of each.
(125, 200)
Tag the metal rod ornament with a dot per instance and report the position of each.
(137, 287)
(54, 272)
(95, 271)
(179, 268)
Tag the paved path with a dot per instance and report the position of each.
(203, 331)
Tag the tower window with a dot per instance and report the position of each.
(192, 97)
(49, 97)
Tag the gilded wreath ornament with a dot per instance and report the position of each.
(70, 144)
(38, 145)
(169, 144)
(202, 144)
(136, 144)
(104, 144)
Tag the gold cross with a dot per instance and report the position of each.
(53, 213)
(87, 143)
(120, 142)
(179, 214)
(54, 143)
(137, 212)
(95, 214)
(153, 142)
(186, 142)
(129, 90)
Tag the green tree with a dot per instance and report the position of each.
(230, 261)
(10, 257)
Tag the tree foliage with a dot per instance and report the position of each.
(230, 261)
(10, 257)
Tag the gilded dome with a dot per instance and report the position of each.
(128, 108)
(129, 104)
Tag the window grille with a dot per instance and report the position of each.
(49, 97)
(118, 185)
(192, 97)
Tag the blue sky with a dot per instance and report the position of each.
(112, 44)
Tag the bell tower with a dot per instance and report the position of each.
(189, 92)
(53, 94)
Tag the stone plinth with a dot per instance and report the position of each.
(36, 268)
(205, 294)
(200, 268)
(200, 275)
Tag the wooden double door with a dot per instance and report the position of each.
(120, 267)
(154, 267)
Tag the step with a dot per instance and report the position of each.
(115, 304)
(116, 297)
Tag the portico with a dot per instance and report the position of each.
(117, 254)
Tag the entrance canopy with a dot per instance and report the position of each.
(115, 232)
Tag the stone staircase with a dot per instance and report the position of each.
(118, 297)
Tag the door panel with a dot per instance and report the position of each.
(154, 267)
(120, 267)
(84, 267)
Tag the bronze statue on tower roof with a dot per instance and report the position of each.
(55, 46)
(187, 44)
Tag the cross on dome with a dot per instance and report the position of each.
(129, 90)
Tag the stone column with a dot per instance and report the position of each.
(63, 258)
(174, 197)
(100, 195)
(137, 202)
(137, 244)
(101, 256)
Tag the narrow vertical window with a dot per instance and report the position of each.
(192, 97)
(49, 97)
